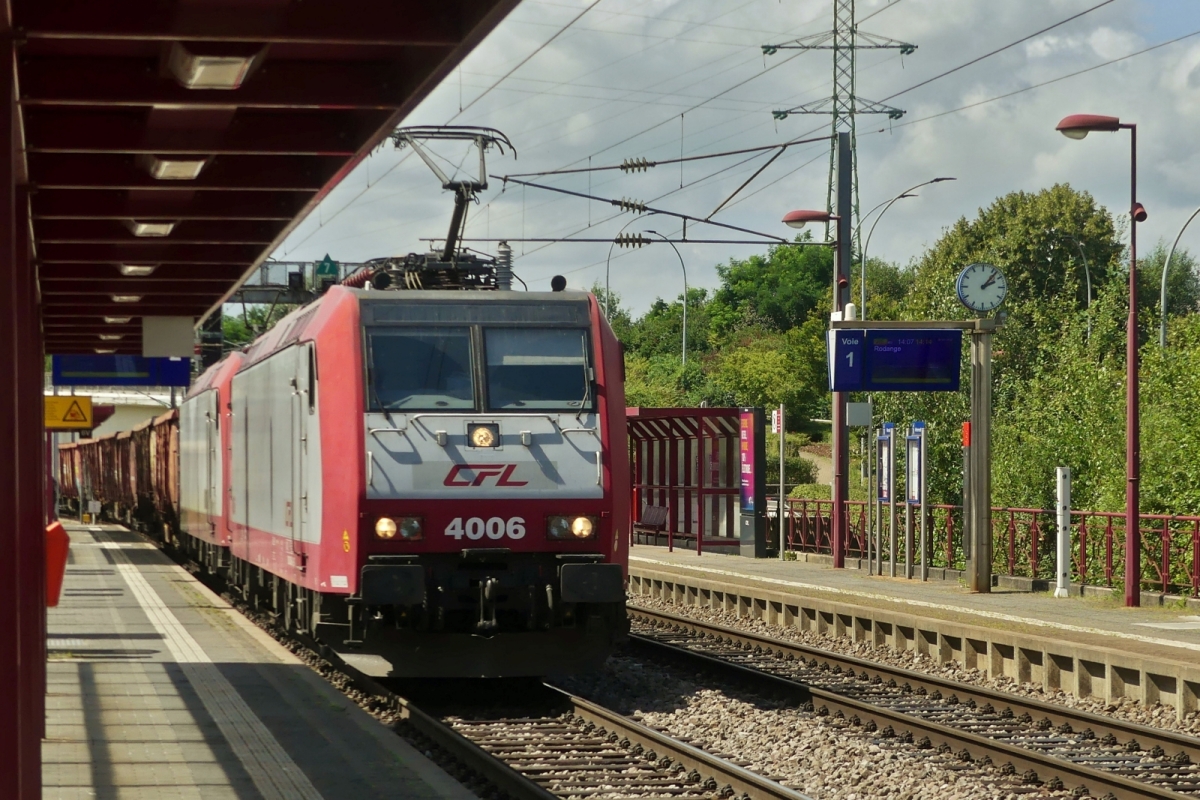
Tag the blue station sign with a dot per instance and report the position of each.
(894, 360)
(114, 370)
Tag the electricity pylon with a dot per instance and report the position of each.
(844, 40)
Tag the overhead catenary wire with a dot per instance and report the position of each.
(991, 53)
(325, 221)
(629, 164)
(462, 109)
(885, 7)
(1060, 78)
(640, 208)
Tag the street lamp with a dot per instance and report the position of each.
(1162, 297)
(840, 244)
(685, 291)
(862, 309)
(1077, 126)
(608, 265)
(1087, 274)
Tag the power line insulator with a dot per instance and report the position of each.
(780, 114)
(637, 165)
(631, 240)
(625, 204)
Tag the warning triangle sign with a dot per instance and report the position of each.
(75, 413)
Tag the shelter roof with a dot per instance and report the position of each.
(214, 125)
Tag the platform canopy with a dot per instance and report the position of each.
(169, 146)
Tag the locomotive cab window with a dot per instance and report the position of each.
(537, 368)
(420, 369)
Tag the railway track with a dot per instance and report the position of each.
(571, 747)
(1047, 745)
(548, 746)
(552, 745)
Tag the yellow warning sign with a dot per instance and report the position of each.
(68, 413)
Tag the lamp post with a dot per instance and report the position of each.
(1162, 297)
(798, 219)
(1077, 126)
(1087, 274)
(685, 290)
(862, 257)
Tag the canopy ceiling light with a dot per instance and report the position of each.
(137, 270)
(117, 320)
(111, 337)
(149, 229)
(126, 298)
(105, 351)
(172, 168)
(210, 70)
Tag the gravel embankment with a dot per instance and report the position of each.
(820, 756)
(1159, 716)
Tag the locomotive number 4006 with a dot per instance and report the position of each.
(493, 528)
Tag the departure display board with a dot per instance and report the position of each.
(895, 360)
(114, 370)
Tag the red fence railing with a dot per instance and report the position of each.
(1023, 541)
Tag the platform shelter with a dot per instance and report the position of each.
(685, 476)
(160, 151)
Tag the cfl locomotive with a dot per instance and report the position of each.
(431, 478)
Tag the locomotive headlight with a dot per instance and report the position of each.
(408, 528)
(570, 527)
(484, 435)
(385, 528)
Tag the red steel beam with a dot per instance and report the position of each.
(214, 273)
(120, 205)
(323, 22)
(188, 231)
(154, 252)
(254, 132)
(152, 289)
(83, 305)
(227, 172)
(315, 84)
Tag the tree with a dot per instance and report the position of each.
(660, 331)
(243, 329)
(777, 291)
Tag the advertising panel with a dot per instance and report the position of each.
(746, 459)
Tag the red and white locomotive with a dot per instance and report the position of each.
(430, 482)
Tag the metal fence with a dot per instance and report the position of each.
(1023, 541)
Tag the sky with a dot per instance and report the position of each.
(656, 78)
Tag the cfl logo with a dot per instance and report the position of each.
(503, 474)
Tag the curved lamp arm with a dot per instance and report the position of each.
(608, 263)
(1162, 297)
(685, 290)
(862, 256)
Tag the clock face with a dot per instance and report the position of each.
(982, 287)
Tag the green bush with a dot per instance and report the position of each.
(797, 468)
(812, 491)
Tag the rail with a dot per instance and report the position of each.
(1023, 541)
(1054, 746)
